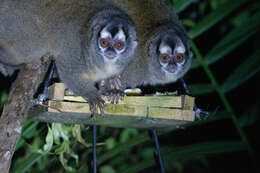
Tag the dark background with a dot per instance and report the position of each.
(211, 144)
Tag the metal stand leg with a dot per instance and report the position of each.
(157, 151)
(42, 97)
(94, 148)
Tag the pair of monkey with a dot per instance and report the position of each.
(123, 43)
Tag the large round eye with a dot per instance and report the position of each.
(178, 58)
(119, 45)
(164, 58)
(104, 42)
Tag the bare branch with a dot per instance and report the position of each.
(16, 108)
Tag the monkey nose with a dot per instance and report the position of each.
(171, 68)
(110, 54)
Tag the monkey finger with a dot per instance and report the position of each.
(105, 107)
(113, 99)
(119, 83)
(101, 110)
(112, 85)
(117, 98)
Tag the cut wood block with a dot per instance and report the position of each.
(134, 111)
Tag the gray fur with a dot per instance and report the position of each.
(68, 30)
(153, 25)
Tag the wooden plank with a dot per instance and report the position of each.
(188, 102)
(160, 111)
(162, 101)
(40, 113)
(124, 110)
(56, 91)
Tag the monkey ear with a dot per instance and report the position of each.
(96, 28)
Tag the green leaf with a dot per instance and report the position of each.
(65, 148)
(122, 147)
(110, 143)
(64, 163)
(28, 163)
(29, 131)
(49, 141)
(232, 40)
(250, 117)
(242, 73)
(60, 131)
(215, 17)
(189, 152)
(3, 98)
(76, 131)
(199, 89)
(127, 133)
(107, 169)
(182, 4)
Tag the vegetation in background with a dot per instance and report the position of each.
(223, 74)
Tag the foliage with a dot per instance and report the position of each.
(226, 53)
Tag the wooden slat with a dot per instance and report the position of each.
(40, 113)
(135, 111)
(125, 110)
(162, 101)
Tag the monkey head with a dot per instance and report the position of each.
(169, 54)
(113, 39)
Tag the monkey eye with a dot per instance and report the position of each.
(104, 42)
(119, 45)
(164, 58)
(178, 58)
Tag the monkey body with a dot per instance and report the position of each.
(154, 20)
(69, 31)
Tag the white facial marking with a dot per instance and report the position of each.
(105, 34)
(165, 48)
(179, 47)
(120, 35)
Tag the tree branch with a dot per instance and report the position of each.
(16, 108)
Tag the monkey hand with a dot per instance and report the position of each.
(115, 95)
(112, 89)
(96, 102)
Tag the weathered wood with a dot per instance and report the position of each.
(124, 110)
(40, 113)
(159, 101)
(134, 111)
(56, 91)
(16, 108)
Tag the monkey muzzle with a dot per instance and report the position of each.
(110, 54)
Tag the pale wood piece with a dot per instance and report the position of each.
(134, 111)
(56, 91)
(116, 120)
(125, 110)
(159, 101)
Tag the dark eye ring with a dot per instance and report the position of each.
(104, 42)
(119, 45)
(165, 58)
(178, 58)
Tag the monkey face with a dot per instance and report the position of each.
(117, 41)
(171, 55)
(112, 42)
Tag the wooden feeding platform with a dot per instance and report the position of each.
(134, 112)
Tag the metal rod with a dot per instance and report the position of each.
(157, 151)
(42, 97)
(94, 148)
